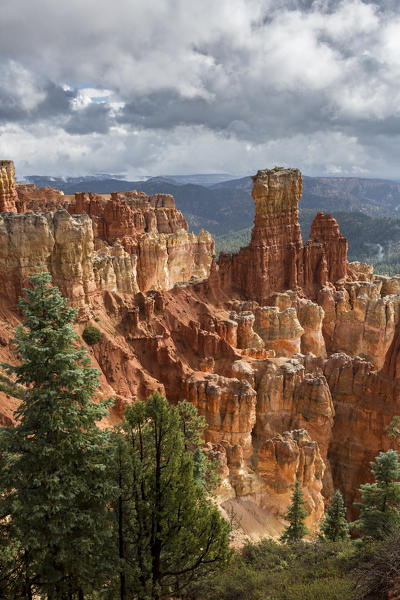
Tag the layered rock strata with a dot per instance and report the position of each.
(275, 259)
(149, 228)
(8, 193)
(290, 353)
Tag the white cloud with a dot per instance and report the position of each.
(173, 85)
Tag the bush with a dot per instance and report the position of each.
(91, 335)
(298, 571)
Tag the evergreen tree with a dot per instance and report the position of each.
(335, 526)
(192, 426)
(171, 532)
(295, 515)
(380, 501)
(54, 483)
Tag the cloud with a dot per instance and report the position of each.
(171, 85)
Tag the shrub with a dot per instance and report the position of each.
(269, 570)
(91, 335)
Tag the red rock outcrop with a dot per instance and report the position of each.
(275, 340)
(150, 228)
(31, 198)
(272, 261)
(56, 241)
(325, 254)
(275, 259)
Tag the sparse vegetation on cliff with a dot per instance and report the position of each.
(91, 335)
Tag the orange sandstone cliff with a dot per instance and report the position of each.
(291, 353)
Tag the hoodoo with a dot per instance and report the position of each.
(275, 259)
(8, 193)
(289, 352)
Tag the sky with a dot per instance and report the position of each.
(148, 87)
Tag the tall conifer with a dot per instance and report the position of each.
(380, 501)
(170, 531)
(335, 526)
(295, 515)
(54, 483)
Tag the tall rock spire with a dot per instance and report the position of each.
(275, 259)
(8, 193)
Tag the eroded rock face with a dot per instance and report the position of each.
(55, 241)
(360, 319)
(291, 354)
(149, 228)
(272, 260)
(8, 193)
(275, 259)
(33, 199)
(279, 330)
(292, 456)
(325, 254)
(262, 497)
(154, 230)
(229, 406)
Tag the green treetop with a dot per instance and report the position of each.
(334, 526)
(54, 484)
(380, 501)
(295, 515)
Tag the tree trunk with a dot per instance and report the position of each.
(122, 582)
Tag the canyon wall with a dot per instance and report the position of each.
(291, 353)
(149, 229)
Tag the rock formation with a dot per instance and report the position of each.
(8, 193)
(291, 353)
(275, 259)
(147, 227)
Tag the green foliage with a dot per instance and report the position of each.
(334, 526)
(268, 570)
(192, 426)
(91, 335)
(392, 429)
(9, 387)
(380, 501)
(379, 568)
(170, 531)
(53, 481)
(295, 515)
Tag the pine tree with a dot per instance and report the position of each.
(380, 501)
(55, 485)
(295, 515)
(171, 532)
(335, 526)
(192, 426)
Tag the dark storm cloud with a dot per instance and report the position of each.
(52, 101)
(94, 118)
(236, 79)
(249, 117)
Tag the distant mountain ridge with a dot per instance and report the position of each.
(227, 205)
